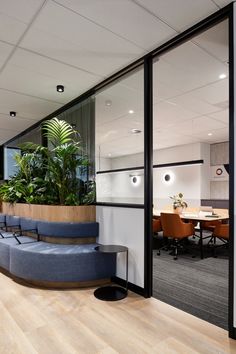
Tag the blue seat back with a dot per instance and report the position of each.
(67, 229)
(28, 224)
(12, 220)
(2, 218)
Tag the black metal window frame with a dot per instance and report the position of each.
(147, 62)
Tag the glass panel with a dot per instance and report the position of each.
(120, 140)
(82, 118)
(191, 122)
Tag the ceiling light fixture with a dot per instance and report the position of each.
(136, 131)
(222, 76)
(131, 111)
(209, 134)
(60, 88)
(109, 155)
(12, 114)
(108, 103)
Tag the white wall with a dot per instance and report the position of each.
(124, 226)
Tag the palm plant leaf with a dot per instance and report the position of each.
(57, 131)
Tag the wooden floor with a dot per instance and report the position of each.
(74, 321)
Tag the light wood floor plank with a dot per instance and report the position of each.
(36, 321)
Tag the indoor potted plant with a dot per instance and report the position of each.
(50, 179)
(178, 203)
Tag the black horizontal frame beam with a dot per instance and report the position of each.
(172, 164)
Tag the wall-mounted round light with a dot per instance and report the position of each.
(135, 180)
(136, 131)
(12, 114)
(60, 88)
(168, 177)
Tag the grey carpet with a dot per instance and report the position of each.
(199, 287)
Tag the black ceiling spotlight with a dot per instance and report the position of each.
(12, 113)
(60, 88)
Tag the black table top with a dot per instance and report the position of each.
(111, 248)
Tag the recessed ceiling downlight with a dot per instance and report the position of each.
(12, 114)
(108, 103)
(60, 88)
(209, 134)
(131, 111)
(136, 131)
(222, 76)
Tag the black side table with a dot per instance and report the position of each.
(112, 292)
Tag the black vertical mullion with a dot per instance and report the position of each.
(148, 174)
(232, 333)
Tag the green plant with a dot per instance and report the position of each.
(48, 175)
(178, 201)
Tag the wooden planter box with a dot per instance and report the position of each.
(60, 213)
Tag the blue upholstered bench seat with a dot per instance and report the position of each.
(63, 263)
(52, 262)
(5, 245)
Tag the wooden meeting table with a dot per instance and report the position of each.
(219, 214)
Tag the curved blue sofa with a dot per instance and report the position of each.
(32, 260)
(62, 263)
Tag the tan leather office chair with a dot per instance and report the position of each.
(220, 232)
(210, 225)
(176, 229)
(156, 225)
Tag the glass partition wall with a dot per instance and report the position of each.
(119, 142)
(191, 137)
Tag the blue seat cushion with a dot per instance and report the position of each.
(5, 245)
(62, 263)
(67, 229)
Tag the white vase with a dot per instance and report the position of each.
(178, 210)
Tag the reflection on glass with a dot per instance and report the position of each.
(191, 116)
(120, 140)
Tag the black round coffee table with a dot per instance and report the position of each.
(112, 292)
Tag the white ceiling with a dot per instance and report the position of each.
(77, 43)
(190, 100)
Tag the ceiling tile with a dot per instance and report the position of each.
(215, 94)
(101, 62)
(15, 124)
(222, 116)
(166, 114)
(134, 24)
(5, 50)
(191, 102)
(22, 10)
(222, 3)
(26, 106)
(219, 135)
(99, 51)
(180, 14)
(215, 41)
(26, 69)
(187, 67)
(11, 29)
(201, 124)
